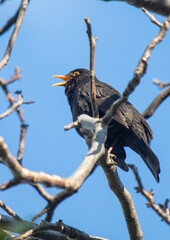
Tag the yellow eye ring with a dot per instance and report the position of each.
(76, 73)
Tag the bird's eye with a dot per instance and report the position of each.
(76, 73)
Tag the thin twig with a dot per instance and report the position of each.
(163, 213)
(139, 71)
(57, 199)
(6, 234)
(13, 37)
(11, 109)
(14, 107)
(156, 102)
(152, 18)
(161, 84)
(71, 125)
(9, 184)
(22, 142)
(92, 42)
(9, 23)
(53, 203)
(15, 77)
(9, 211)
(11, 99)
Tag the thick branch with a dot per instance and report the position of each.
(75, 181)
(9, 224)
(124, 198)
(13, 37)
(157, 6)
(46, 231)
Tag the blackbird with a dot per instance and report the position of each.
(128, 127)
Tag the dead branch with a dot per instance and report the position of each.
(157, 6)
(11, 99)
(22, 174)
(9, 211)
(95, 129)
(46, 231)
(14, 106)
(162, 210)
(13, 37)
(53, 203)
(92, 42)
(66, 231)
(12, 225)
(42, 192)
(156, 102)
(152, 18)
(161, 84)
(139, 71)
(124, 198)
(9, 23)
(22, 142)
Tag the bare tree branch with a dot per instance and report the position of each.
(161, 84)
(22, 142)
(91, 128)
(13, 37)
(53, 203)
(65, 230)
(12, 225)
(156, 102)
(124, 198)
(152, 18)
(157, 6)
(9, 23)
(46, 231)
(163, 212)
(75, 181)
(92, 42)
(14, 106)
(11, 99)
(9, 211)
(139, 71)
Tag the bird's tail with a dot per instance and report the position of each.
(149, 158)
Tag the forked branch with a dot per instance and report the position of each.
(162, 209)
(20, 17)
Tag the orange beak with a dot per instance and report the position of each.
(65, 78)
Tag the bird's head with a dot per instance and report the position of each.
(73, 75)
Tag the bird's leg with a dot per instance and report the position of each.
(112, 156)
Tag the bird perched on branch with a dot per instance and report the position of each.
(128, 127)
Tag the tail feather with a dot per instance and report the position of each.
(152, 162)
(149, 158)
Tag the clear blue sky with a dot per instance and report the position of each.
(53, 40)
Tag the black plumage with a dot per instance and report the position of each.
(127, 128)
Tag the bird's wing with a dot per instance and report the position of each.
(105, 96)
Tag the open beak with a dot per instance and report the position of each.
(65, 78)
